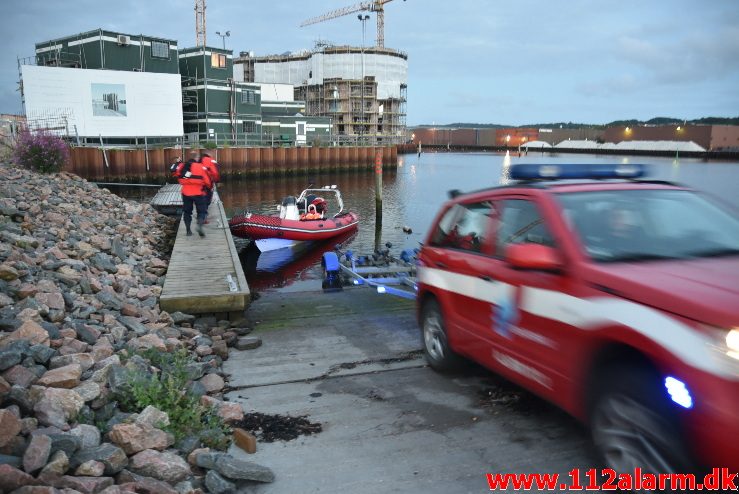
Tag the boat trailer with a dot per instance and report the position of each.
(380, 270)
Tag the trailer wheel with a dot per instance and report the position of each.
(331, 273)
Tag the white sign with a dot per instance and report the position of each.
(107, 103)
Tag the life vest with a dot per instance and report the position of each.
(212, 166)
(194, 179)
(312, 214)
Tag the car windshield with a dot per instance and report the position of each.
(645, 225)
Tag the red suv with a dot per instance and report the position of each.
(617, 299)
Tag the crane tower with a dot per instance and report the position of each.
(199, 22)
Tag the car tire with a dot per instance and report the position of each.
(633, 423)
(435, 343)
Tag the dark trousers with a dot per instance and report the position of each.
(201, 205)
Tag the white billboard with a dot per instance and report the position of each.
(107, 103)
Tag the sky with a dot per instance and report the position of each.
(478, 61)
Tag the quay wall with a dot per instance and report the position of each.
(128, 165)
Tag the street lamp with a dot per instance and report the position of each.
(363, 18)
(223, 37)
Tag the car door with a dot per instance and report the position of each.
(526, 347)
(456, 256)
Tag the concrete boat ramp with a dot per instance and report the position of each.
(352, 362)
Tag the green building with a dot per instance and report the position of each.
(215, 106)
(102, 49)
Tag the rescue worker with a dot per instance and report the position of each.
(211, 167)
(195, 183)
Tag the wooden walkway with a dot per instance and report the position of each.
(205, 273)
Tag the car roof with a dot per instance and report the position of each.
(562, 186)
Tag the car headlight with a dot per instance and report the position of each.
(732, 343)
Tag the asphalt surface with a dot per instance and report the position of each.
(352, 362)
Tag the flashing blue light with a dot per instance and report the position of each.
(381, 289)
(576, 171)
(678, 391)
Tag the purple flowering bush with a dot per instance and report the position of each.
(41, 151)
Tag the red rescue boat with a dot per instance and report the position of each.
(304, 218)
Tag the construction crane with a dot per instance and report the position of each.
(199, 22)
(377, 6)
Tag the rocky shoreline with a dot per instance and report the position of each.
(81, 338)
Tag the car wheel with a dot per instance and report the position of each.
(435, 344)
(634, 424)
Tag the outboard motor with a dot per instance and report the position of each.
(289, 209)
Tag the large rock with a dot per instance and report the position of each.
(134, 325)
(166, 466)
(230, 467)
(9, 358)
(20, 376)
(50, 413)
(51, 300)
(111, 456)
(88, 390)
(89, 435)
(11, 478)
(217, 484)
(90, 468)
(85, 485)
(63, 377)
(10, 426)
(145, 484)
(58, 465)
(37, 453)
(153, 417)
(70, 401)
(8, 272)
(134, 438)
(29, 330)
(84, 360)
(212, 383)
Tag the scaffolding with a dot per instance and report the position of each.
(369, 110)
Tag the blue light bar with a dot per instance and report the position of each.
(576, 171)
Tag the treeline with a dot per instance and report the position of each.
(615, 123)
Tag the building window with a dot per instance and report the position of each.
(160, 49)
(250, 127)
(248, 96)
(218, 61)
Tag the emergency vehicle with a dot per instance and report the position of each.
(613, 296)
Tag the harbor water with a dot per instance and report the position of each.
(412, 195)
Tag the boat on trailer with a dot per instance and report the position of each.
(305, 218)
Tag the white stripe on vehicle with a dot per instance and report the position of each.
(683, 341)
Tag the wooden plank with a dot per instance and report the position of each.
(196, 280)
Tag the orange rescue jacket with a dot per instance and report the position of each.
(196, 182)
(212, 166)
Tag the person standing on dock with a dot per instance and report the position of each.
(211, 166)
(196, 183)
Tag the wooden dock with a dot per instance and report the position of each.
(205, 273)
(168, 200)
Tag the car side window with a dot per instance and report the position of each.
(521, 222)
(464, 226)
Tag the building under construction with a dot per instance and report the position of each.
(362, 90)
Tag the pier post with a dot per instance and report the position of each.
(378, 199)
